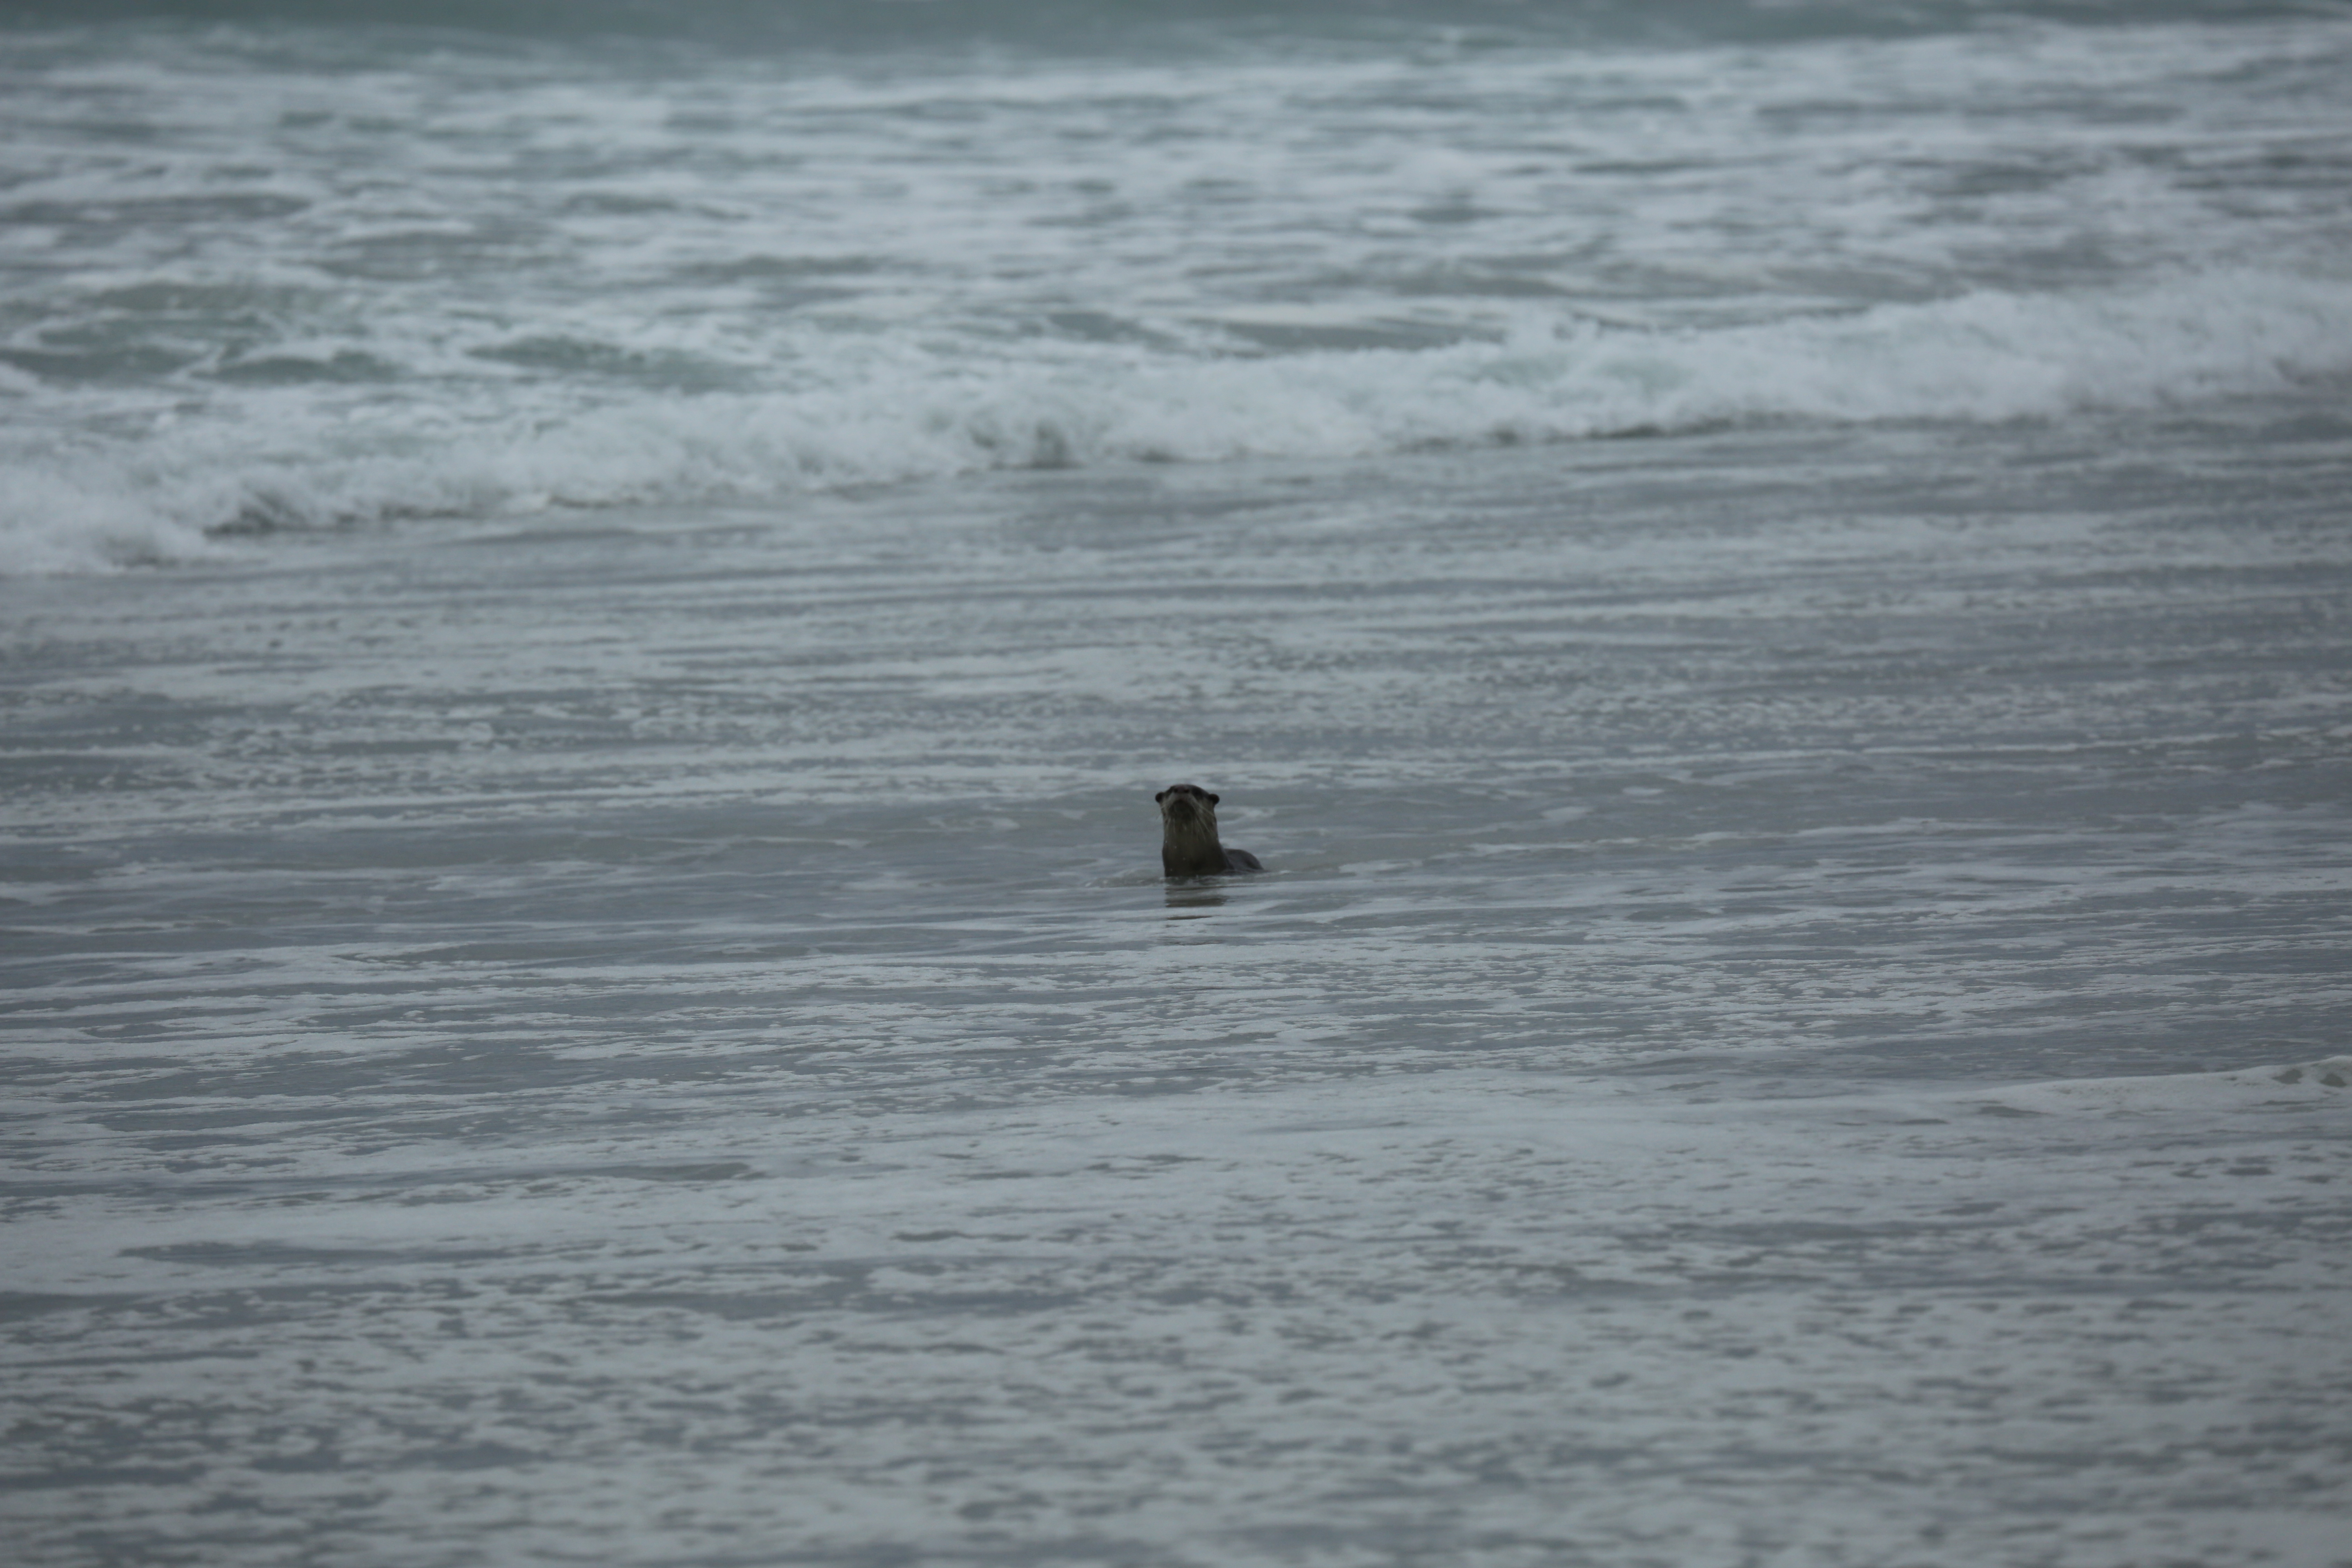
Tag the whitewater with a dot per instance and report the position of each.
(306, 276)
(592, 599)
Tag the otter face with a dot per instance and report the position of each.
(1186, 803)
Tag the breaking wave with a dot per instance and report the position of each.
(887, 410)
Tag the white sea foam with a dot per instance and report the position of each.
(345, 282)
(900, 408)
(82, 520)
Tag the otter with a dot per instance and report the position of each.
(1188, 844)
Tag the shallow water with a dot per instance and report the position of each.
(1795, 1014)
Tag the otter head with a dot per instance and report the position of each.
(1187, 804)
(1187, 821)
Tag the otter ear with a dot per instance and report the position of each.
(1161, 797)
(1213, 800)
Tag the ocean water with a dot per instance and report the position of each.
(592, 599)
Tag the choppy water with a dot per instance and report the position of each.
(285, 276)
(595, 618)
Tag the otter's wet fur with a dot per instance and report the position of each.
(1188, 839)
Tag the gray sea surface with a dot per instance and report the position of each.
(1795, 1014)
(593, 597)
